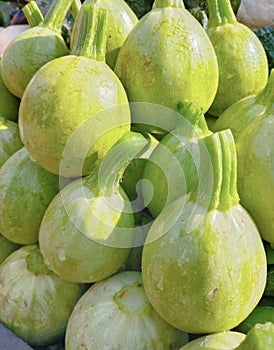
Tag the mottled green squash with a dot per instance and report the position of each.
(70, 135)
(33, 48)
(87, 231)
(167, 58)
(242, 61)
(251, 121)
(204, 266)
(35, 303)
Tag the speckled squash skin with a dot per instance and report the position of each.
(204, 268)
(35, 303)
(63, 95)
(26, 54)
(167, 58)
(121, 20)
(78, 236)
(251, 121)
(120, 303)
(217, 341)
(255, 152)
(191, 278)
(26, 190)
(242, 60)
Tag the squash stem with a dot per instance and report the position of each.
(91, 33)
(35, 263)
(220, 13)
(193, 114)
(111, 170)
(33, 14)
(218, 160)
(228, 194)
(168, 3)
(75, 8)
(56, 14)
(210, 174)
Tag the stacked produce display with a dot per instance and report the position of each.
(136, 176)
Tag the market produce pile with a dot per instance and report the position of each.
(136, 176)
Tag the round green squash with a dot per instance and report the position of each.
(204, 267)
(33, 48)
(116, 314)
(69, 136)
(35, 303)
(251, 120)
(167, 58)
(87, 231)
(242, 60)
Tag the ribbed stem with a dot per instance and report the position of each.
(220, 160)
(193, 114)
(35, 263)
(33, 14)
(168, 3)
(112, 168)
(228, 195)
(90, 35)
(220, 13)
(75, 8)
(56, 14)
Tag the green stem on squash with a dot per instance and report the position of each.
(91, 33)
(229, 194)
(32, 14)
(194, 114)
(218, 157)
(56, 14)
(111, 169)
(35, 263)
(220, 13)
(75, 8)
(168, 3)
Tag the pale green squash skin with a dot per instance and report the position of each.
(121, 20)
(37, 52)
(242, 61)
(227, 340)
(251, 121)
(167, 58)
(255, 152)
(116, 314)
(26, 190)
(207, 280)
(10, 141)
(35, 307)
(75, 246)
(46, 127)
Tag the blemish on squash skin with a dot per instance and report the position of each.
(212, 294)
(122, 294)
